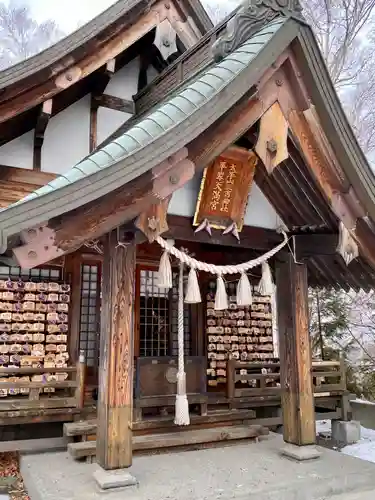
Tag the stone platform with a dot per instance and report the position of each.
(254, 471)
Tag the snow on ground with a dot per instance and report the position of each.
(323, 426)
(364, 449)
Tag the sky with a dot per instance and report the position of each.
(69, 14)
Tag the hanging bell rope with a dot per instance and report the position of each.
(182, 405)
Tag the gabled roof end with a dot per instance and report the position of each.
(250, 18)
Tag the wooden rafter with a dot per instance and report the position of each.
(329, 177)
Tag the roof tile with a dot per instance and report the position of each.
(115, 150)
(75, 174)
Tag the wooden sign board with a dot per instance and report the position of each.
(225, 189)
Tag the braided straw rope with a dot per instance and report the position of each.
(219, 270)
(181, 367)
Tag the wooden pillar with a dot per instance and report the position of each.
(115, 405)
(295, 353)
(73, 270)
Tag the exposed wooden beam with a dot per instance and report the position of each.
(102, 80)
(181, 228)
(295, 353)
(91, 221)
(313, 245)
(44, 115)
(314, 146)
(254, 238)
(114, 102)
(93, 138)
(115, 405)
(68, 70)
(103, 77)
(16, 183)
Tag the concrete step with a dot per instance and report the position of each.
(359, 495)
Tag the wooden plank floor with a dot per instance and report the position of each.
(88, 427)
(177, 439)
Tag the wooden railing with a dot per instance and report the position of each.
(186, 66)
(31, 395)
(249, 379)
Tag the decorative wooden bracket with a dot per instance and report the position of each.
(329, 182)
(89, 222)
(347, 247)
(153, 221)
(39, 247)
(272, 147)
(44, 115)
(165, 39)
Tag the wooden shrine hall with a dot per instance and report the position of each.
(191, 233)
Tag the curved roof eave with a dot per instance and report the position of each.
(335, 122)
(82, 36)
(160, 134)
(69, 44)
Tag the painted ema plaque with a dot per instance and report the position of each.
(224, 190)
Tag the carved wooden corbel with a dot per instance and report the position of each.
(165, 39)
(153, 221)
(39, 247)
(347, 247)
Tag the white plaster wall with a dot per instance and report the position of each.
(19, 152)
(66, 140)
(259, 211)
(123, 84)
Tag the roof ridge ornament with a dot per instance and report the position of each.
(251, 17)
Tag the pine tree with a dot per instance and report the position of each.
(329, 322)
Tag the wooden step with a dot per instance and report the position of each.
(36, 445)
(177, 439)
(82, 428)
(87, 427)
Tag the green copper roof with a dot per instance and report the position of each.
(170, 126)
(168, 115)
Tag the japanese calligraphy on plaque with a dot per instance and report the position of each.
(225, 189)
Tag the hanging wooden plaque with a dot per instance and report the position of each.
(225, 188)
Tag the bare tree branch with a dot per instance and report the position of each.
(21, 36)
